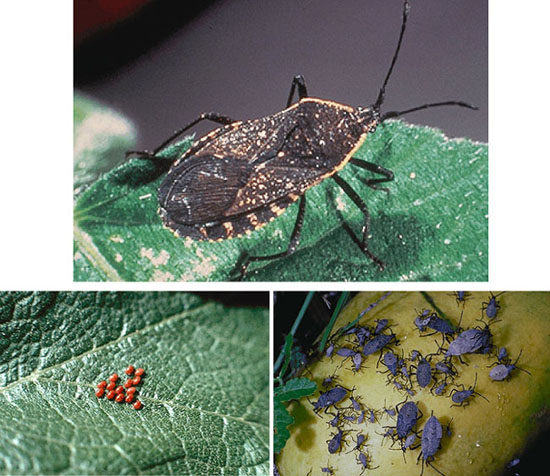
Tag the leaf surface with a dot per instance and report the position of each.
(431, 226)
(295, 388)
(282, 419)
(205, 392)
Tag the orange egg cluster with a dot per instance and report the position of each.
(122, 393)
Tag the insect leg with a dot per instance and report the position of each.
(292, 245)
(377, 169)
(210, 116)
(299, 81)
(348, 190)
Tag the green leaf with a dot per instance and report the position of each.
(282, 419)
(205, 393)
(295, 388)
(432, 226)
(101, 136)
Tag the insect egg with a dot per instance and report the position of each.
(111, 386)
(119, 398)
(131, 390)
(136, 380)
(128, 384)
(139, 372)
(130, 370)
(100, 393)
(111, 395)
(137, 405)
(102, 384)
(119, 389)
(130, 398)
(113, 378)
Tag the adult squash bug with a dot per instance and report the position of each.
(244, 174)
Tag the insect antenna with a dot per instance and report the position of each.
(382, 93)
(389, 114)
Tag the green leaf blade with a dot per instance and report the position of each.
(282, 419)
(294, 389)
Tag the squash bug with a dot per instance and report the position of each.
(441, 325)
(330, 398)
(331, 379)
(470, 341)
(430, 443)
(423, 373)
(407, 416)
(460, 397)
(461, 297)
(377, 343)
(504, 369)
(244, 174)
(334, 422)
(390, 361)
(492, 307)
(502, 354)
(447, 368)
(356, 405)
(335, 443)
(407, 443)
(363, 460)
(328, 469)
(381, 324)
(439, 389)
(359, 442)
(372, 416)
(345, 352)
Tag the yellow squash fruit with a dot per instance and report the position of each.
(485, 435)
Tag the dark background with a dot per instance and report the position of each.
(171, 61)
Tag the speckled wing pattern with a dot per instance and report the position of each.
(243, 175)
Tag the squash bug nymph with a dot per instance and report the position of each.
(244, 174)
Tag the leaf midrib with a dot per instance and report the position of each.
(166, 403)
(90, 250)
(37, 373)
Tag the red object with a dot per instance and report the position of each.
(136, 380)
(131, 390)
(139, 372)
(137, 405)
(111, 395)
(119, 398)
(100, 393)
(93, 15)
(102, 384)
(119, 389)
(130, 370)
(128, 384)
(130, 398)
(111, 386)
(113, 378)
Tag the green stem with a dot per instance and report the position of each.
(339, 306)
(303, 310)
